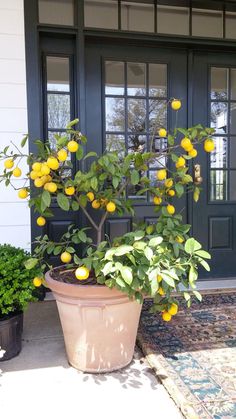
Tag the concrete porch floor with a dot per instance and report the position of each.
(40, 383)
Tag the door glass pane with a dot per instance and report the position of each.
(52, 139)
(218, 190)
(207, 23)
(218, 157)
(136, 78)
(101, 14)
(56, 12)
(157, 115)
(137, 16)
(137, 143)
(115, 143)
(232, 185)
(58, 77)
(158, 80)
(232, 154)
(58, 110)
(159, 146)
(115, 78)
(173, 20)
(233, 84)
(137, 115)
(219, 83)
(219, 117)
(115, 114)
(230, 25)
(233, 118)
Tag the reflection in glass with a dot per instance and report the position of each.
(56, 12)
(52, 139)
(115, 78)
(233, 84)
(101, 14)
(173, 20)
(230, 25)
(159, 145)
(137, 16)
(157, 114)
(207, 23)
(137, 115)
(158, 80)
(115, 114)
(219, 155)
(233, 118)
(137, 143)
(136, 79)
(58, 76)
(232, 154)
(219, 115)
(115, 143)
(218, 190)
(58, 110)
(219, 83)
(232, 185)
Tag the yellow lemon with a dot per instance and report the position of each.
(37, 166)
(90, 196)
(82, 273)
(180, 162)
(193, 153)
(166, 316)
(41, 221)
(37, 281)
(8, 164)
(150, 229)
(38, 183)
(62, 155)
(45, 170)
(96, 204)
(179, 239)
(72, 146)
(161, 291)
(173, 309)
(162, 132)
(159, 279)
(157, 200)
(66, 257)
(209, 145)
(171, 192)
(70, 190)
(169, 183)
(51, 187)
(53, 163)
(23, 193)
(17, 172)
(33, 175)
(186, 144)
(111, 207)
(170, 209)
(161, 174)
(176, 104)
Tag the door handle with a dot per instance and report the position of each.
(197, 174)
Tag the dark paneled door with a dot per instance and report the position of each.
(127, 88)
(214, 103)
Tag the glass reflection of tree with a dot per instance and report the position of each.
(58, 110)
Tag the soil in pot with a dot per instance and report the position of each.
(11, 328)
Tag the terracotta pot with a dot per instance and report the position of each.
(99, 325)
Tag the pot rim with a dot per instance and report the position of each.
(11, 317)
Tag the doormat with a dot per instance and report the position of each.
(194, 355)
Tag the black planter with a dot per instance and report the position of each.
(10, 336)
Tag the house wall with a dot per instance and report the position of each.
(14, 213)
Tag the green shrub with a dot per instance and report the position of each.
(16, 285)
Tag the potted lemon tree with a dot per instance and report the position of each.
(100, 287)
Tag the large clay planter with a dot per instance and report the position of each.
(99, 325)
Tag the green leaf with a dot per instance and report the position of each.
(122, 250)
(205, 265)
(187, 296)
(109, 254)
(203, 254)
(90, 154)
(72, 123)
(75, 205)
(57, 250)
(154, 286)
(120, 282)
(94, 183)
(155, 241)
(80, 153)
(31, 263)
(138, 235)
(127, 274)
(168, 279)
(24, 139)
(191, 246)
(70, 249)
(115, 182)
(179, 189)
(82, 236)
(148, 253)
(45, 200)
(107, 268)
(63, 202)
(192, 274)
(197, 295)
(171, 140)
(139, 245)
(135, 177)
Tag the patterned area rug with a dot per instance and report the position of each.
(194, 355)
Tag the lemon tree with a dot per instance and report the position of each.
(155, 259)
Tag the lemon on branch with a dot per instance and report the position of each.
(161, 174)
(8, 164)
(41, 221)
(82, 273)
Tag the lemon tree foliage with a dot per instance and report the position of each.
(155, 259)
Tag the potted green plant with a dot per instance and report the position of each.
(100, 289)
(16, 291)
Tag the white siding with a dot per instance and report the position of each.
(14, 214)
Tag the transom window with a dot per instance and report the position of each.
(135, 109)
(223, 119)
